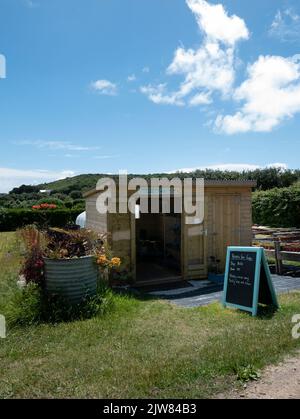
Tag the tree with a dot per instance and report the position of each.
(75, 195)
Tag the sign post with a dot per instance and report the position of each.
(248, 280)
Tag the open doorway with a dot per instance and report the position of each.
(158, 248)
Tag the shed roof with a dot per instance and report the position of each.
(207, 183)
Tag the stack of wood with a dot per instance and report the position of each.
(281, 244)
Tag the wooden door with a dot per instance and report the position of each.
(194, 255)
(226, 224)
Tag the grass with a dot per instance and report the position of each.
(139, 349)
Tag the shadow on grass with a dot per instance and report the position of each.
(266, 312)
(263, 312)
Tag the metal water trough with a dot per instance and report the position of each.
(73, 279)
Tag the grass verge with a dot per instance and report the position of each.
(139, 348)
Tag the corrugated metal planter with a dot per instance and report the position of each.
(73, 279)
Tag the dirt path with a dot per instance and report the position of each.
(277, 382)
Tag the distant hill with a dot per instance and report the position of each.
(266, 179)
(68, 192)
(76, 183)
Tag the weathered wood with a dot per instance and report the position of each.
(278, 261)
(290, 256)
(227, 222)
(284, 256)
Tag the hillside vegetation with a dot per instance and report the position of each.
(276, 198)
(265, 178)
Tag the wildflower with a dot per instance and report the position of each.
(102, 260)
(116, 262)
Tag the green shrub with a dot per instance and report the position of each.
(25, 306)
(12, 219)
(248, 373)
(277, 207)
(76, 195)
(31, 305)
(48, 200)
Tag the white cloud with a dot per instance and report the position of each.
(216, 24)
(157, 94)
(58, 145)
(146, 70)
(209, 68)
(105, 87)
(271, 94)
(11, 178)
(282, 166)
(106, 156)
(200, 99)
(236, 167)
(132, 77)
(286, 26)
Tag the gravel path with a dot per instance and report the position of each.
(280, 381)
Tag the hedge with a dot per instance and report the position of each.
(12, 219)
(277, 207)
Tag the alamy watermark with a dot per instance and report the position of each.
(296, 328)
(152, 196)
(2, 67)
(2, 327)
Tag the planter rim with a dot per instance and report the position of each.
(68, 259)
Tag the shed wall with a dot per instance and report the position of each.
(228, 221)
(94, 220)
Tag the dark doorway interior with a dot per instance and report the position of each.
(158, 247)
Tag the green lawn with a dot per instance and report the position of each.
(139, 349)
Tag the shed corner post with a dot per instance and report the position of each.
(133, 246)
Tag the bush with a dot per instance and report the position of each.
(277, 207)
(58, 202)
(12, 219)
(76, 195)
(32, 305)
(25, 306)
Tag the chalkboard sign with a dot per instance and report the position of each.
(248, 280)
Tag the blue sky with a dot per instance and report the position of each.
(94, 86)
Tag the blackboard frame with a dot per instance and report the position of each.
(261, 263)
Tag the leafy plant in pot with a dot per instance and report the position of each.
(69, 262)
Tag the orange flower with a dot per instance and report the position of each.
(116, 262)
(102, 260)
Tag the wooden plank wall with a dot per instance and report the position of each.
(94, 220)
(119, 226)
(228, 221)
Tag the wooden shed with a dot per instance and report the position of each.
(159, 248)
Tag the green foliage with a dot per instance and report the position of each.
(266, 179)
(24, 308)
(75, 195)
(49, 200)
(248, 373)
(139, 348)
(69, 191)
(277, 207)
(31, 305)
(12, 219)
(25, 189)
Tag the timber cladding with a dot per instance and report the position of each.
(227, 222)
